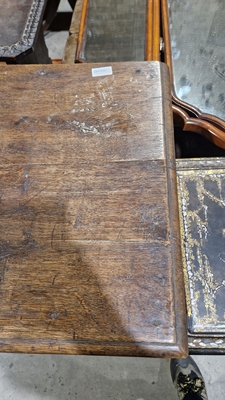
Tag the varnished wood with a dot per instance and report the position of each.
(149, 25)
(204, 128)
(152, 30)
(79, 57)
(156, 31)
(90, 259)
(56, 61)
(203, 123)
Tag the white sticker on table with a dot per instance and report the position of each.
(101, 71)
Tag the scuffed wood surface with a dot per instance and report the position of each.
(89, 233)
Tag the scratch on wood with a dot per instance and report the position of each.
(81, 301)
(49, 323)
(1, 196)
(53, 280)
(36, 194)
(121, 229)
(2, 275)
(52, 238)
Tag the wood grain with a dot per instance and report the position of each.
(152, 45)
(90, 257)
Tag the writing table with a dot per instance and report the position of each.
(90, 257)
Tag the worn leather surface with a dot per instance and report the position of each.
(201, 186)
(21, 37)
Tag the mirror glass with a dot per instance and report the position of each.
(197, 30)
(115, 31)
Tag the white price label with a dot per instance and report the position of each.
(102, 71)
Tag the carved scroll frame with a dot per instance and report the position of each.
(29, 34)
(186, 115)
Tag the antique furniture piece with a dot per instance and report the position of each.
(90, 247)
(21, 35)
(131, 31)
(194, 36)
(201, 188)
(124, 31)
(191, 62)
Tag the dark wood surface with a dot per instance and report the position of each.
(90, 247)
(21, 36)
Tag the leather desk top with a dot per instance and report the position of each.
(90, 258)
(20, 22)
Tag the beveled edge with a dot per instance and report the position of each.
(26, 42)
(208, 163)
(73, 347)
(211, 345)
(177, 270)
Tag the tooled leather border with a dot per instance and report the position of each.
(29, 33)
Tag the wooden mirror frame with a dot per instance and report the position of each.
(210, 126)
(152, 43)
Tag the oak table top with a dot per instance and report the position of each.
(90, 259)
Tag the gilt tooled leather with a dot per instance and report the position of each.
(202, 214)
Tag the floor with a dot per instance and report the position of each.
(53, 377)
